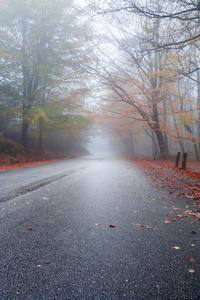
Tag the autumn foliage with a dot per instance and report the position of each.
(182, 183)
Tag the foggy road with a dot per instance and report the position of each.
(56, 242)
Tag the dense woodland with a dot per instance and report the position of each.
(131, 66)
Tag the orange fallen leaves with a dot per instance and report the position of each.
(191, 259)
(112, 226)
(148, 227)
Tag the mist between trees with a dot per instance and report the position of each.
(132, 67)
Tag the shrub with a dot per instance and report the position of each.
(11, 148)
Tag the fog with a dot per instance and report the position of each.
(101, 144)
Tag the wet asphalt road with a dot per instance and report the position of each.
(67, 255)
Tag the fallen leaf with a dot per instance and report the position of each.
(97, 224)
(191, 259)
(176, 248)
(193, 245)
(45, 198)
(53, 203)
(145, 226)
(174, 220)
(38, 266)
(191, 271)
(112, 226)
(132, 241)
(167, 221)
(30, 228)
(18, 194)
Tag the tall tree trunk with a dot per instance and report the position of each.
(187, 127)
(165, 122)
(158, 132)
(40, 144)
(161, 143)
(177, 131)
(41, 134)
(131, 144)
(155, 149)
(198, 109)
(24, 134)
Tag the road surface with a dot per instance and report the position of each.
(57, 242)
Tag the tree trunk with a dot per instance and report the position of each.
(161, 143)
(158, 132)
(165, 122)
(41, 135)
(187, 127)
(40, 144)
(24, 134)
(177, 131)
(196, 152)
(155, 145)
(198, 109)
(131, 144)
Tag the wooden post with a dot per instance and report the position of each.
(177, 159)
(184, 161)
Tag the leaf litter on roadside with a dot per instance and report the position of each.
(144, 226)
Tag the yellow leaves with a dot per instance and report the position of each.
(176, 248)
(186, 117)
(191, 270)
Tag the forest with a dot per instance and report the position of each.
(129, 67)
